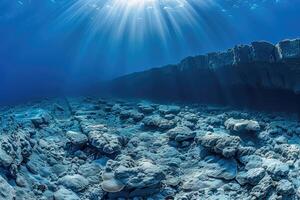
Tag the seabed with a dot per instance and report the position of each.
(94, 148)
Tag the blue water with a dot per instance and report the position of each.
(48, 46)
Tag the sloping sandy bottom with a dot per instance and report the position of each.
(92, 148)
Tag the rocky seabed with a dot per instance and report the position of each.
(92, 149)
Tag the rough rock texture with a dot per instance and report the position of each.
(64, 194)
(225, 145)
(112, 149)
(242, 125)
(74, 182)
(246, 74)
(6, 190)
(181, 133)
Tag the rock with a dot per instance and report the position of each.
(21, 181)
(135, 115)
(169, 109)
(74, 182)
(145, 174)
(64, 194)
(157, 122)
(76, 138)
(169, 116)
(242, 125)
(95, 194)
(146, 109)
(242, 54)
(91, 171)
(197, 62)
(191, 117)
(261, 190)
(197, 181)
(263, 52)
(59, 169)
(107, 143)
(141, 178)
(252, 176)
(288, 151)
(285, 187)
(35, 164)
(222, 168)
(288, 49)
(181, 133)
(220, 59)
(7, 192)
(111, 184)
(5, 159)
(225, 145)
(245, 151)
(41, 117)
(276, 168)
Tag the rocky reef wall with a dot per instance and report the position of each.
(241, 75)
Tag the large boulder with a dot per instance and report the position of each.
(105, 142)
(263, 188)
(91, 171)
(252, 176)
(127, 178)
(181, 133)
(143, 175)
(277, 169)
(158, 122)
(76, 138)
(40, 117)
(285, 187)
(133, 114)
(225, 145)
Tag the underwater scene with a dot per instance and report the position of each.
(149, 99)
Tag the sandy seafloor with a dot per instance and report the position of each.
(94, 148)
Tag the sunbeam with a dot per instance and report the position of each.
(135, 19)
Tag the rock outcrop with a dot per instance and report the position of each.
(243, 73)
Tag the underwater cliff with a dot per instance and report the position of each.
(260, 73)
